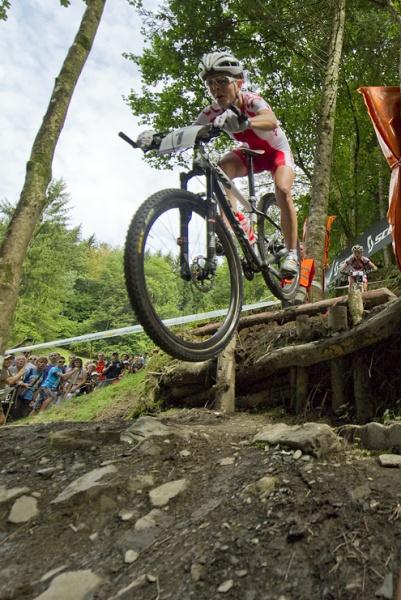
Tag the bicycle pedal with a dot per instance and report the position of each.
(248, 272)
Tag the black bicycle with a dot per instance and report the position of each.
(180, 257)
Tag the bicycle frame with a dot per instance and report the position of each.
(196, 230)
(358, 279)
(216, 183)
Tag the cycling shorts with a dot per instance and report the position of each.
(268, 161)
(364, 278)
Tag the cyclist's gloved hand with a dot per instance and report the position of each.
(228, 121)
(145, 139)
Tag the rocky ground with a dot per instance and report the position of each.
(86, 513)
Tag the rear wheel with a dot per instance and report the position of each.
(272, 249)
(167, 294)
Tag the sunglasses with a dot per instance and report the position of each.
(219, 81)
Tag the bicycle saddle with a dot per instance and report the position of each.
(250, 151)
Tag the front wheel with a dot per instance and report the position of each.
(169, 289)
(272, 249)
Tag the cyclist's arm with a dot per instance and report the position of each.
(265, 119)
(372, 266)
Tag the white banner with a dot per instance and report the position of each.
(134, 329)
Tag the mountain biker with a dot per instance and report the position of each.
(223, 77)
(357, 262)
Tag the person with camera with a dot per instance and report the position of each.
(6, 381)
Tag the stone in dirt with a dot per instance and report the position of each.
(386, 589)
(317, 439)
(161, 495)
(390, 460)
(259, 488)
(9, 494)
(24, 509)
(73, 585)
(146, 427)
(374, 436)
(89, 482)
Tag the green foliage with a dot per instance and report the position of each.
(284, 46)
(4, 6)
(49, 271)
(70, 286)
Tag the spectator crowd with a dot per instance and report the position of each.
(29, 384)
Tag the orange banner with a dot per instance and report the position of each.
(329, 223)
(383, 104)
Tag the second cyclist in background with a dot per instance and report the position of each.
(357, 262)
(223, 77)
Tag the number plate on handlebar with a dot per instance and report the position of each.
(179, 139)
(357, 274)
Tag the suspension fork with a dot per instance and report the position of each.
(185, 218)
(251, 190)
(182, 241)
(211, 214)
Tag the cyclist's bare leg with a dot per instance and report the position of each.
(232, 167)
(283, 180)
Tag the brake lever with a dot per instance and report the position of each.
(238, 112)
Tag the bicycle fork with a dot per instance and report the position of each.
(202, 268)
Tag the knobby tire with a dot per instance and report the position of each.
(270, 240)
(151, 263)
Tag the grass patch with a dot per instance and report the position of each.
(120, 400)
(134, 395)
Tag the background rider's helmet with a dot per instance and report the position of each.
(357, 248)
(219, 61)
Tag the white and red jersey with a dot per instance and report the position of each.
(357, 264)
(269, 141)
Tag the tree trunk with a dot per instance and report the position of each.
(33, 199)
(338, 368)
(225, 379)
(364, 404)
(325, 133)
(302, 390)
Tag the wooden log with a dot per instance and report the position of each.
(302, 390)
(303, 328)
(188, 373)
(183, 391)
(364, 404)
(338, 318)
(338, 387)
(293, 389)
(225, 379)
(370, 299)
(355, 304)
(365, 334)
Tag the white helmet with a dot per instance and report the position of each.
(219, 61)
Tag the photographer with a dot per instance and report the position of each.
(7, 380)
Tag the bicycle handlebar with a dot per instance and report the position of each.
(128, 140)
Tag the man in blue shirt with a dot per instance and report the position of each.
(34, 377)
(48, 391)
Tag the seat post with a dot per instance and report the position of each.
(251, 179)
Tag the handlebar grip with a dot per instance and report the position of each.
(128, 140)
(238, 112)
